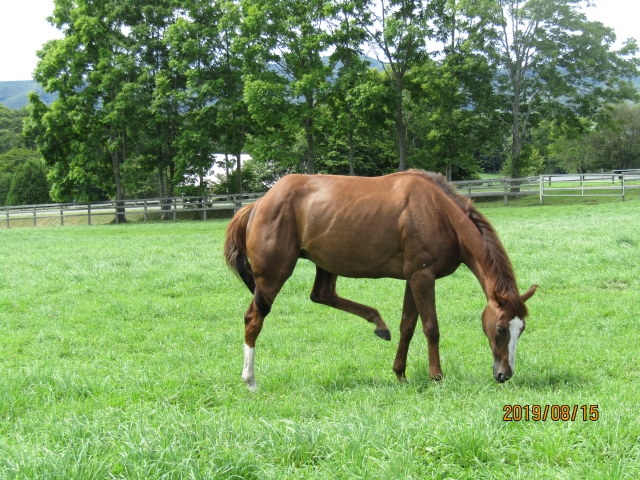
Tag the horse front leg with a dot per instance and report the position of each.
(423, 285)
(324, 292)
(407, 327)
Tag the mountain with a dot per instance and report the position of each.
(14, 94)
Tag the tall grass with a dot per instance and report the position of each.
(121, 353)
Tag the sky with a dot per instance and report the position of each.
(24, 28)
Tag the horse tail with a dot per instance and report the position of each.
(235, 247)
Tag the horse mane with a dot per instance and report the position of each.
(496, 257)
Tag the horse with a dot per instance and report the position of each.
(410, 226)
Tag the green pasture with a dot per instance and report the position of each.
(121, 355)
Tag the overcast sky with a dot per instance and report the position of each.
(24, 28)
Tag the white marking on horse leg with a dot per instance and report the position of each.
(248, 375)
(515, 328)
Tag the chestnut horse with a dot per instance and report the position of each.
(411, 226)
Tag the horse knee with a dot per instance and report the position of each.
(432, 332)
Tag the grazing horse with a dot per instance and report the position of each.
(411, 226)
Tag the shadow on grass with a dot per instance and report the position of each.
(555, 379)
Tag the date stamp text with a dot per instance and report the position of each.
(542, 413)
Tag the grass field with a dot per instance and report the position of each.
(121, 354)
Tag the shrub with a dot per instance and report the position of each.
(29, 185)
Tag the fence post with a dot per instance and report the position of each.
(542, 188)
(7, 212)
(117, 216)
(89, 214)
(34, 216)
(582, 184)
(204, 207)
(175, 208)
(506, 201)
(61, 216)
(237, 203)
(145, 211)
(623, 188)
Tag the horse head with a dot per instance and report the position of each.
(503, 321)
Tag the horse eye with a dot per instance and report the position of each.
(500, 331)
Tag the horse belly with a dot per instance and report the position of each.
(355, 247)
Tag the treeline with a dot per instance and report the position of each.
(23, 178)
(149, 90)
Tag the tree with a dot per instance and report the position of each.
(398, 34)
(451, 113)
(29, 185)
(617, 139)
(94, 73)
(11, 129)
(287, 78)
(353, 86)
(553, 62)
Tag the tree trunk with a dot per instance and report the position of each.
(400, 125)
(310, 152)
(239, 170)
(226, 170)
(308, 125)
(172, 172)
(120, 195)
(351, 169)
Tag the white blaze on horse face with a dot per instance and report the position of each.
(515, 327)
(248, 375)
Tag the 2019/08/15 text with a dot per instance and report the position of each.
(537, 413)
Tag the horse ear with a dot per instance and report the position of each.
(529, 293)
(501, 299)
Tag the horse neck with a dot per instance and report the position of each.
(474, 255)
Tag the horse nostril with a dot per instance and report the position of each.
(500, 378)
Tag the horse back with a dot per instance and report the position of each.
(353, 226)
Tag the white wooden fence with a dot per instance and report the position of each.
(167, 208)
(588, 185)
(600, 184)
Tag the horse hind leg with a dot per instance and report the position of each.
(324, 292)
(268, 280)
(253, 320)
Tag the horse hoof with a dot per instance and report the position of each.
(384, 334)
(252, 387)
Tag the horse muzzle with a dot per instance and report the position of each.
(500, 373)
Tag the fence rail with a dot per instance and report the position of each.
(168, 208)
(600, 184)
(588, 185)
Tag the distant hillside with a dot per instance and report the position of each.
(14, 94)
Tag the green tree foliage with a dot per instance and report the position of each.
(554, 63)
(610, 142)
(255, 178)
(398, 31)
(11, 129)
(532, 163)
(359, 99)
(5, 186)
(11, 160)
(149, 90)
(452, 110)
(289, 79)
(29, 185)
